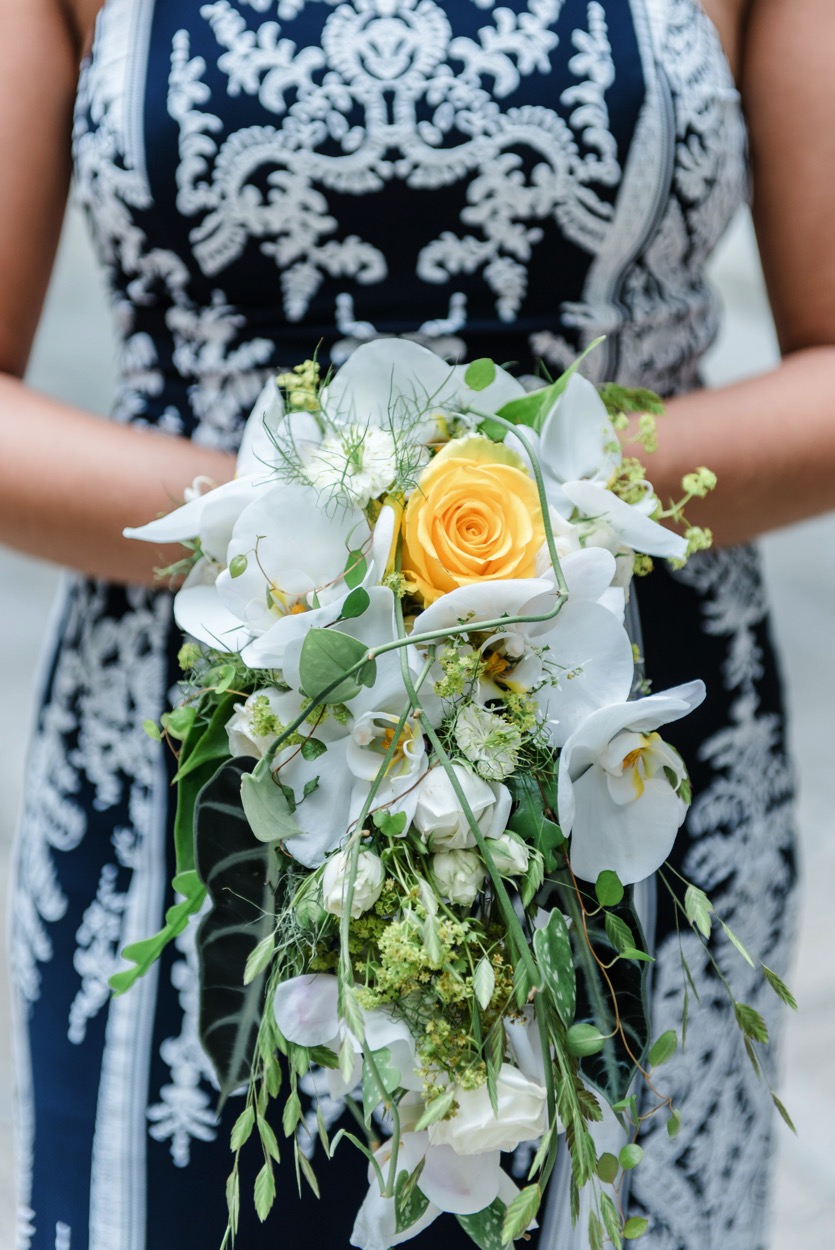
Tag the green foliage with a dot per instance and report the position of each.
(582, 1040)
(485, 1227)
(265, 803)
(409, 1201)
(529, 819)
(663, 1049)
(204, 747)
(552, 947)
(608, 1168)
(238, 565)
(437, 1109)
(355, 604)
(735, 942)
(532, 409)
(327, 657)
(674, 1124)
(145, 953)
(521, 1211)
(780, 989)
(629, 399)
(241, 876)
(635, 1228)
(356, 568)
(608, 889)
(390, 825)
(264, 1191)
(751, 1023)
(480, 374)
(630, 1156)
(698, 909)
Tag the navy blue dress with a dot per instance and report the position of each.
(264, 175)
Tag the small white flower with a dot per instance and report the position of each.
(254, 725)
(368, 883)
(459, 875)
(477, 1129)
(488, 741)
(510, 855)
(440, 817)
(361, 462)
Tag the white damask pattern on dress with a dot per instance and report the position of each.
(742, 830)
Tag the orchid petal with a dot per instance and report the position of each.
(223, 504)
(199, 613)
(632, 840)
(462, 1184)
(482, 601)
(306, 1009)
(635, 528)
(577, 437)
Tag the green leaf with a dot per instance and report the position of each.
(608, 889)
(608, 1168)
(307, 1169)
(436, 1109)
(635, 1227)
(223, 678)
(291, 1115)
(264, 1191)
(632, 952)
(238, 565)
(484, 982)
(389, 1075)
(532, 409)
(584, 1039)
(145, 953)
(346, 1060)
(351, 1012)
(611, 1220)
(698, 909)
(326, 656)
(356, 568)
(485, 1227)
(780, 988)
(751, 1023)
(619, 933)
(179, 722)
(152, 730)
(674, 1124)
(530, 821)
(409, 1201)
(265, 805)
(312, 748)
(734, 940)
(268, 1139)
(241, 876)
(552, 947)
(521, 1211)
(260, 958)
(356, 603)
(206, 746)
(630, 1156)
(783, 1112)
(242, 1128)
(663, 1049)
(390, 825)
(629, 399)
(480, 374)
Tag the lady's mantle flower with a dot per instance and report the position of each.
(488, 741)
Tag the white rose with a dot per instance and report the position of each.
(474, 1129)
(510, 855)
(254, 725)
(368, 883)
(440, 817)
(459, 876)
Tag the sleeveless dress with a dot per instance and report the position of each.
(509, 180)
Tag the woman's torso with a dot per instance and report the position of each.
(267, 175)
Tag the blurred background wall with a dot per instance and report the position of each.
(73, 359)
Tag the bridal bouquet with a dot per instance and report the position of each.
(418, 777)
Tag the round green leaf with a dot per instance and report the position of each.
(584, 1039)
(607, 1168)
(608, 889)
(663, 1049)
(630, 1156)
(480, 374)
(356, 603)
(635, 1228)
(237, 566)
(674, 1124)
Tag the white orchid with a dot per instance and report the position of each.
(619, 786)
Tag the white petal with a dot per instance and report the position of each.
(257, 450)
(387, 381)
(632, 840)
(462, 1184)
(590, 657)
(322, 817)
(306, 1009)
(186, 522)
(200, 613)
(588, 572)
(636, 529)
(482, 601)
(578, 439)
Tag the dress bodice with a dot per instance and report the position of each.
(508, 180)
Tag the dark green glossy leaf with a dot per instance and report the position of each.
(409, 1201)
(552, 947)
(485, 1227)
(206, 744)
(355, 604)
(241, 876)
(530, 819)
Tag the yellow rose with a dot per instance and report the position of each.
(474, 516)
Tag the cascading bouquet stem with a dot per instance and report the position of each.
(419, 777)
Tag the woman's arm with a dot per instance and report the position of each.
(771, 441)
(69, 482)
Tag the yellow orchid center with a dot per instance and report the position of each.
(638, 762)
